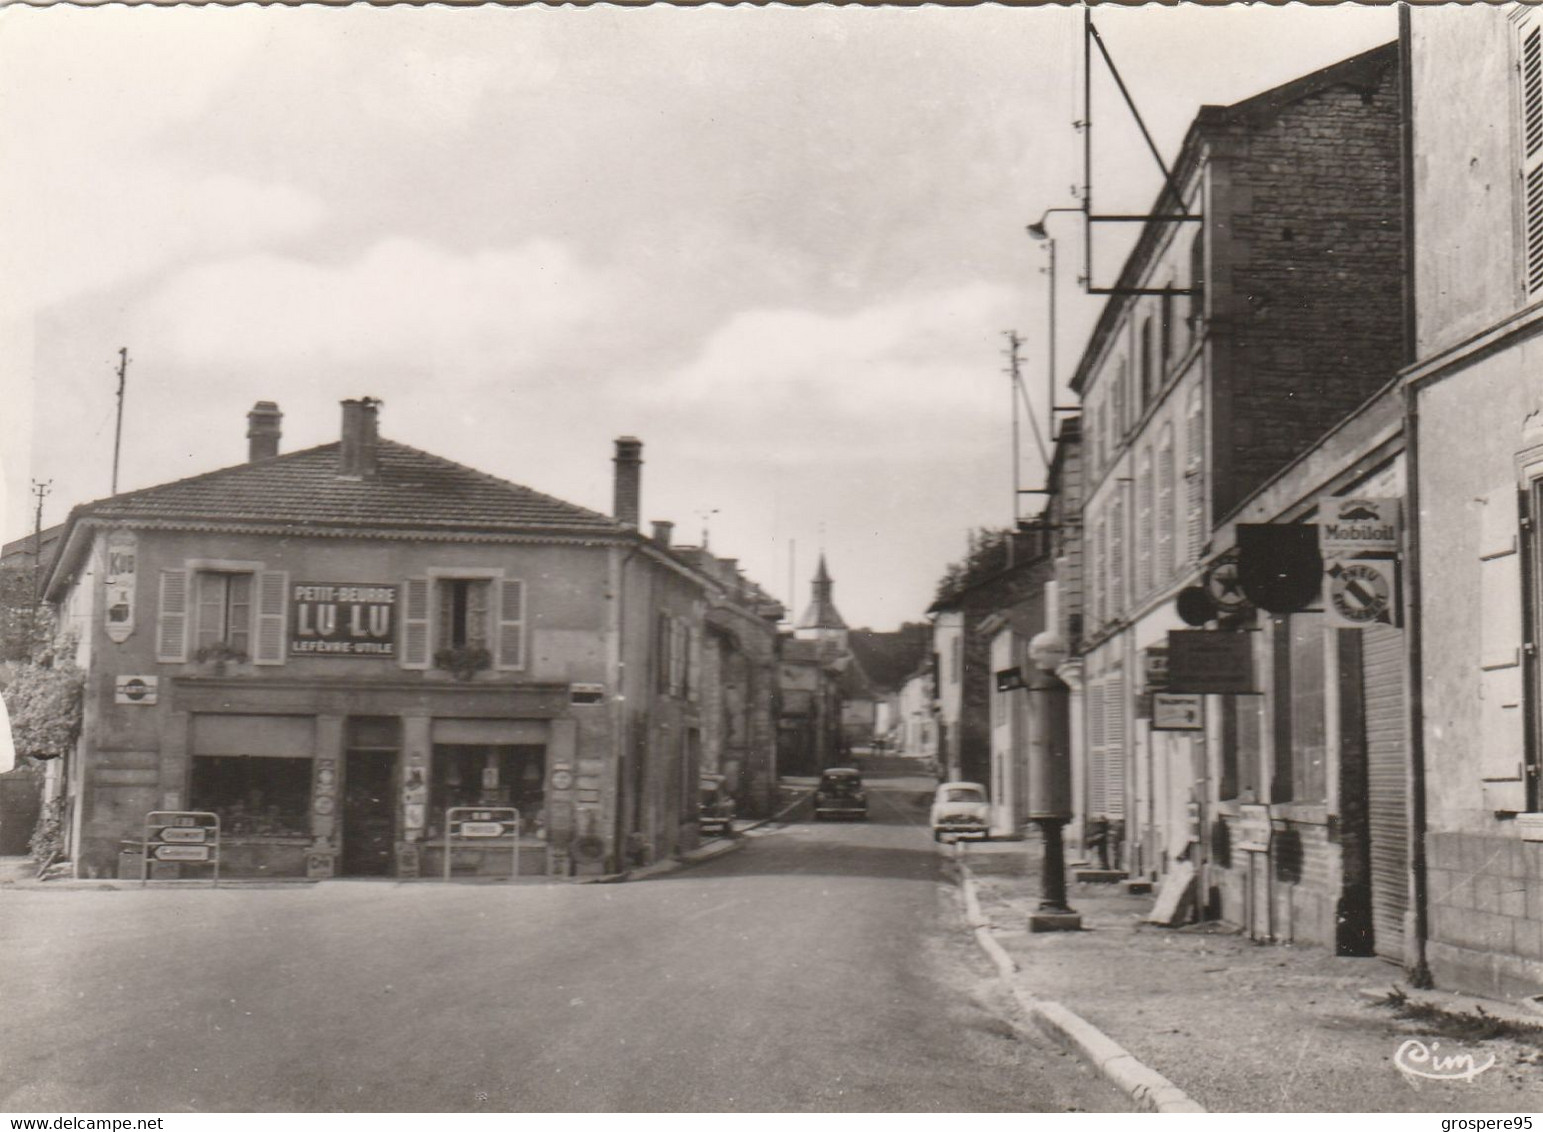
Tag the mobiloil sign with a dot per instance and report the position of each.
(348, 619)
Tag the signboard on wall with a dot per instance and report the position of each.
(1362, 592)
(1353, 526)
(122, 565)
(344, 619)
(1210, 662)
(1178, 711)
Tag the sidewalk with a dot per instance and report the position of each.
(1239, 1026)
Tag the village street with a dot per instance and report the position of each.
(821, 968)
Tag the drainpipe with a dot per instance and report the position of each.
(1418, 972)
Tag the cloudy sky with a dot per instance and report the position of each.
(779, 245)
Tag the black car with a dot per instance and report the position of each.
(840, 794)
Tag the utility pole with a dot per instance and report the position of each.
(1013, 361)
(123, 370)
(40, 490)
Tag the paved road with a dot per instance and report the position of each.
(822, 968)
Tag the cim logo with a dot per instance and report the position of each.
(1415, 1059)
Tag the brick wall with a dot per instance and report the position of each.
(1311, 241)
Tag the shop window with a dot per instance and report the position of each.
(255, 796)
(488, 775)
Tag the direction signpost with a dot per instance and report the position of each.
(478, 824)
(190, 837)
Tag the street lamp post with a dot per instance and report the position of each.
(1039, 232)
(1050, 778)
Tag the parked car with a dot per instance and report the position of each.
(715, 809)
(840, 794)
(960, 809)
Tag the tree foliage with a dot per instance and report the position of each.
(26, 625)
(44, 703)
(987, 555)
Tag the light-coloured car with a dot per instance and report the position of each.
(961, 809)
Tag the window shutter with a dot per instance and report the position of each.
(272, 615)
(1144, 523)
(511, 624)
(1114, 747)
(171, 630)
(1098, 798)
(415, 624)
(1532, 152)
(1501, 731)
(1194, 476)
(1166, 518)
(1117, 554)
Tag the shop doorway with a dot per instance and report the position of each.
(369, 813)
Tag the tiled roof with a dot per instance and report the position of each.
(411, 490)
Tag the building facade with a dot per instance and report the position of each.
(1235, 341)
(331, 648)
(1475, 405)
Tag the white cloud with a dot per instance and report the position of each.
(403, 305)
(923, 368)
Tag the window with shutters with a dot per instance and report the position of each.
(1166, 518)
(463, 621)
(222, 612)
(1530, 104)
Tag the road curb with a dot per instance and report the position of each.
(1149, 1089)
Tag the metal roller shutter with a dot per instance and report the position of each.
(1387, 759)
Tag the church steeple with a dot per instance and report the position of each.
(821, 621)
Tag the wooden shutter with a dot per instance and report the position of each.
(171, 629)
(1098, 798)
(1117, 553)
(272, 616)
(511, 624)
(1144, 523)
(1501, 739)
(1532, 153)
(415, 623)
(1194, 476)
(1114, 747)
(1166, 516)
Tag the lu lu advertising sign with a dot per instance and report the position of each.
(347, 619)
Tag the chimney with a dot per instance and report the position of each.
(629, 479)
(262, 431)
(356, 455)
(663, 531)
